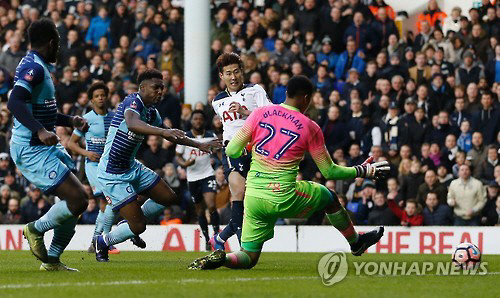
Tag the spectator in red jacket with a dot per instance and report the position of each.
(410, 216)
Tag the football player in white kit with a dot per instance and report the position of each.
(200, 174)
(233, 106)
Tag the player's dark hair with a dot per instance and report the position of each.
(199, 112)
(41, 32)
(97, 86)
(299, 85)
(148, 74)
(228, 59)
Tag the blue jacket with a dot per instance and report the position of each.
(98, 28)
(358, 63)
(330, 57)
(442, 216)
(149, 46)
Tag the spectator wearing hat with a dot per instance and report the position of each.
(13, 214)
(333, 27)
(469, 71)
(487, 119)
(465, 28)
(144, 44)
(99, 27)
(383, 27)
(436, 213)
(490, 216)
(362, 203)
(352, 57)
(452, 22)
(467, 197)
(353, 82)
(408, 58)
(421, 72)
(327, 54)
(34, 205)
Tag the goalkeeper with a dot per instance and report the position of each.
(280, 135)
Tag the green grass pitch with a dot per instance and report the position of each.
(164, 274)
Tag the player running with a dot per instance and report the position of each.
(121, 177)
(279, 136)
(200, 174)
(98, 121)
(36, 150)
(233, 106)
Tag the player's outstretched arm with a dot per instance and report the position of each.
(208, 147)
(238, 143)
(330, 170)
(17, 106)
(74, 146)
(136, 125)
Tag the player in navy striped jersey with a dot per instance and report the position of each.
(36, 150)
(121, 177)
(200, 174)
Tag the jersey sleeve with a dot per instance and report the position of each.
(30, 75)
(134, 105)
(180, 149)
(322, 158)
(244, 135)
(157, 121)
(261, 97)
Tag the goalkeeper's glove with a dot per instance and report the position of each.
(371, 170)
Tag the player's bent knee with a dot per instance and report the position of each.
(137, 227)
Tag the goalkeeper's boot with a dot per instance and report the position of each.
(35, 241)
(366, 240)
(57, 266)
(212, 261)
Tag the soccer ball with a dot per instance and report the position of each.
(466, 255)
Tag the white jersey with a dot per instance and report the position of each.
(250, 97)
(202, 167)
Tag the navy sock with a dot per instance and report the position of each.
(226, 232)
(214, 220)
(237, 218)
(202, 220)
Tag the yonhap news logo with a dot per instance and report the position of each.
(333, 268)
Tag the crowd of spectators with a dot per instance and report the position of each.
(426, 100)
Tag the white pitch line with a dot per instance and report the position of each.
(191, 280)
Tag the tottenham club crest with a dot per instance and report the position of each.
(52, 174)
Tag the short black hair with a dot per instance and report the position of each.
(148, 74)
(199, 112)
(299, 85)
(228, 59)
(96, 86)
(41, 32)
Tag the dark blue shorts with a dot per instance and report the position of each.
(199, 187)
(240, 164)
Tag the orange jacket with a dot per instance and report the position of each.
(390, 12)
(433, 18)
